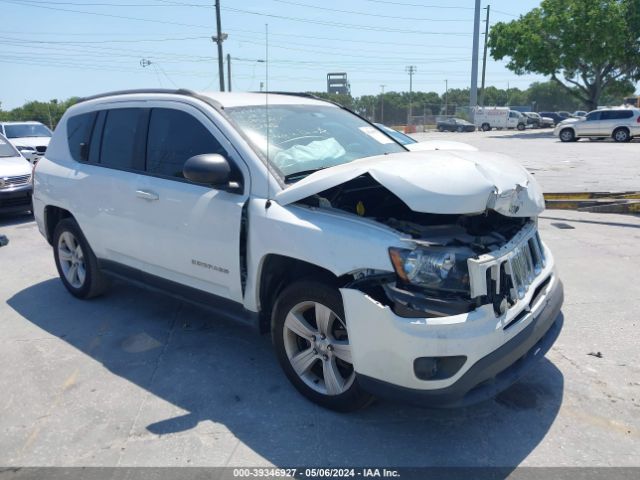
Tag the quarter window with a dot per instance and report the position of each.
(174, 137)
(79, 130)
(119, 140)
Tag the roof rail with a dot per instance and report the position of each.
(179, 91)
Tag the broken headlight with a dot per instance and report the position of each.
(433, 268)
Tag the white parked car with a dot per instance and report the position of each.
(31, 138)
(488, 118)
(15, 179)
(621, 124)
(414, 275)
(413, 145)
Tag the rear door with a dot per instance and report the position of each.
(105, 177)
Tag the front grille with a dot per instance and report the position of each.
(507, 274)
(11, 182)
(41, 148)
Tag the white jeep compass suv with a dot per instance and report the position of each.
(377, 271)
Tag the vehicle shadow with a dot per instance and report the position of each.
(223, 372)
(537, 135)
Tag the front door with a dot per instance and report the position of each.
(591, 125)
(189, 233)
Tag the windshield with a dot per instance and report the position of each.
(7, 150)
(26, 130)
(306, 138)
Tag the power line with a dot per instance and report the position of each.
(419, 5)
(350, 26)
(306, 5)
(28, 3)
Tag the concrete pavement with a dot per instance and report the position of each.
(137, 379)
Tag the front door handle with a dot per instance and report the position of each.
(146, 195)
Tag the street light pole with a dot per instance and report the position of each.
(446, 97)
(411, 70)
(229, 71)
(473, 98)
(484, 56)
(382, 104)
(219, 39)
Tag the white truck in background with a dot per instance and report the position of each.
(487, 118)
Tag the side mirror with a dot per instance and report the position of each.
(208, 168)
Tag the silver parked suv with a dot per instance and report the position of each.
(621, 124)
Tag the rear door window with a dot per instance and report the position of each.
(79, 128)
(174, 137)
(121, 147)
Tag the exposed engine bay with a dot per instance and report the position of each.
(365, 197)
(442, 286)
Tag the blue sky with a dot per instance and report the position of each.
(62, 48)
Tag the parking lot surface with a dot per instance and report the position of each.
(134, 378)
(583, 166)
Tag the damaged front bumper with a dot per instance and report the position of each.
(479, 353)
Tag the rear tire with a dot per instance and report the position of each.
(76, 263)
(485, 127)
(621, 135)
(312, 346)
(567, 135)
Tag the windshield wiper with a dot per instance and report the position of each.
(301, 174)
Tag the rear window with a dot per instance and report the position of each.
(119, 139)
(616, 114)
(79, 130)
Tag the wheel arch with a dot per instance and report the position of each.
(52, 216)
(277, 272)
(564, 129)
(620, 127)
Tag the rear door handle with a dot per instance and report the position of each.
(146, 195)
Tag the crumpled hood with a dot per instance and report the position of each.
(30, 141)
(445, 182)
(14, 167)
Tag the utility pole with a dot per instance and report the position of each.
(229, 71)
(411, 70)
(473, 98)
(484, 56)
(446, 97)
(382, 104)
(219, 38)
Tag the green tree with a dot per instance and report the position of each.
(585, 46)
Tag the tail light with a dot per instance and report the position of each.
(638, 119)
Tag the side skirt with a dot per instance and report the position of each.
(218, 305)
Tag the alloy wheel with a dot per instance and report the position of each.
(71, 258)
(317, 346)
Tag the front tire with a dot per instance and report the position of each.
(521, 126)
(485, 127)
(76, 263)
(567, 135)
(312, 346)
